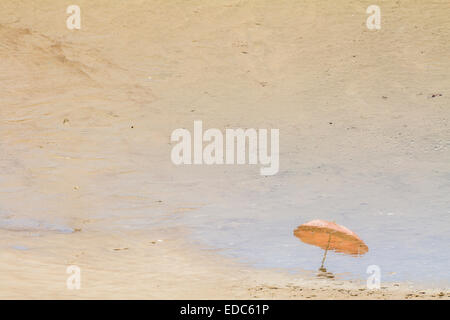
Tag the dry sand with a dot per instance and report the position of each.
(86, 118)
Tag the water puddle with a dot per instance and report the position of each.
(408, 242)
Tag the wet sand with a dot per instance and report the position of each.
(86, 118)
(158, 264)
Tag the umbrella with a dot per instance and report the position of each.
(330, 236)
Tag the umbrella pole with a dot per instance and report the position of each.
(325, 254)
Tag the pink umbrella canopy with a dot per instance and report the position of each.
(331, 236)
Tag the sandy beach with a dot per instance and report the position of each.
(133, 265)
(86, 118)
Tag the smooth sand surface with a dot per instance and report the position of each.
(86, 117)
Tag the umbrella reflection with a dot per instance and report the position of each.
(330, 236)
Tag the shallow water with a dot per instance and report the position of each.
(407, 232)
